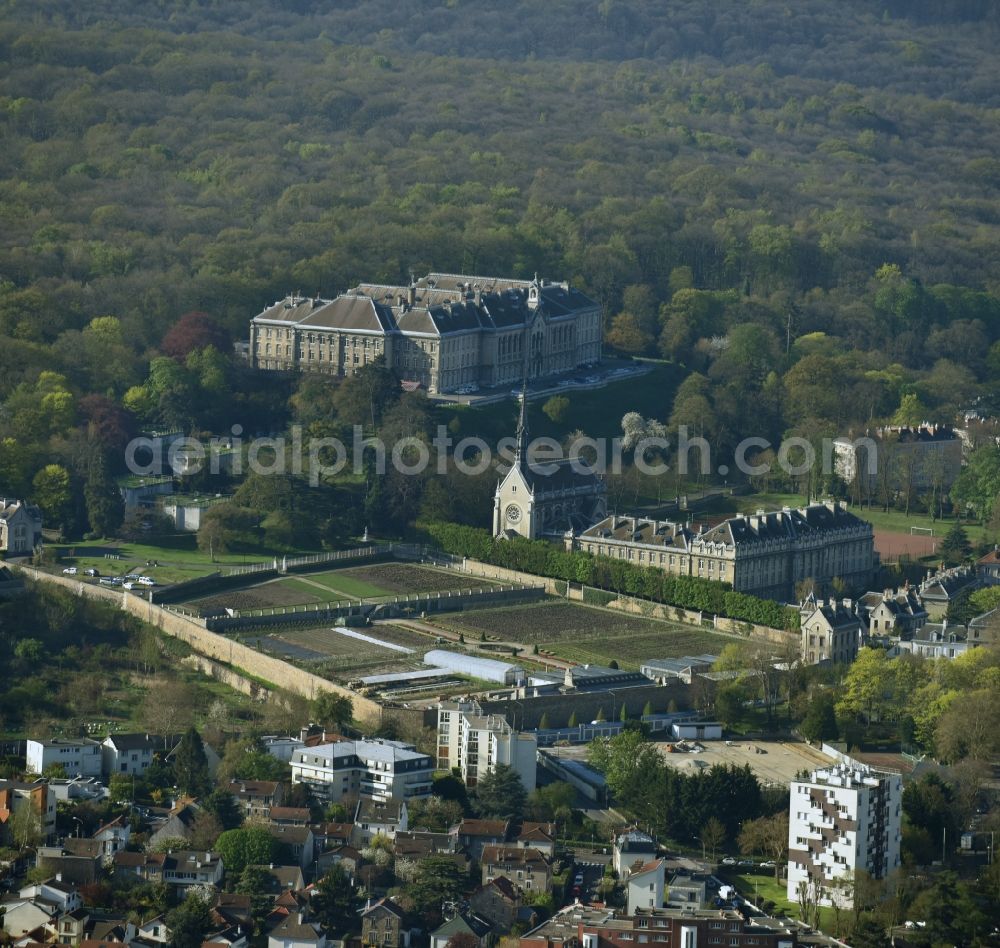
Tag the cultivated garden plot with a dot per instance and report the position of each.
(408, 578)
(585, 634)
(262, 596)
(340, 657)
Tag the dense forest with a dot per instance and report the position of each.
(796, 203)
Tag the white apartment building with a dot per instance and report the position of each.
(475, 743)
(842, 819)
(373, 769)
(80, 758)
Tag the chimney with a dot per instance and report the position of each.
(411, 293)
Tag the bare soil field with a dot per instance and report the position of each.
(265, 596)
(587, 635)
(404, 578)
(777, 763)
(892, 545)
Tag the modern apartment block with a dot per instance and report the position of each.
(375, 769)
(476, 743)
(79, 758)
(843, 818)
(444, 331)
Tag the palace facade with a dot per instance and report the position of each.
(444, 331)
(765, 553)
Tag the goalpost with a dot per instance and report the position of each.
(922, 531)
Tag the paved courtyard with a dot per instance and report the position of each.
(778, 762)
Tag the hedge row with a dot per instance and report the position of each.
(543, 559)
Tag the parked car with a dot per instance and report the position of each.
(128, 585)
(729, 861)
(91, 572)
(107, 580)
(70, 571)
(578, 879)
(146, 581)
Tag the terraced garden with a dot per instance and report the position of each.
(339, 656)
(584, 634)
(357, 582)
(406, 578)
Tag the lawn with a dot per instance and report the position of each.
(759, 886)
(178, 556)
(586, 634)
(334, 585)
(598, 412)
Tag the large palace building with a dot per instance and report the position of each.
(444, 331)
(765, 554)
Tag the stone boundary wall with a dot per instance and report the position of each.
(218, 647)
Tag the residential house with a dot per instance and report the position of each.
(896, 613)
(372, 818)
(76, 861)
(285, 879)
(475, 835)
(385, 925)
(984, 629)
(687, 889)
(376, 769)
(34, 795)
(113, 835)
(178, 823)
(467, 924)
(282, 747)
(295, 842)
(296, 932)
(526, 868)
(939, 589)
(180, 869)
(155, 930)
(256, 797)
(39, 905)
(415, 844)
(77, 788)
(644, 887)
(347, 857)
(20, 527)
(78, 758)
(500, 902)
(631, 847)
(988, 568)
(830, 631)
(540, 836)
(938, 640)
(290, 815)
(71, 928)
(130, 753)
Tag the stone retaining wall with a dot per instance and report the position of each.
(233, 654)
